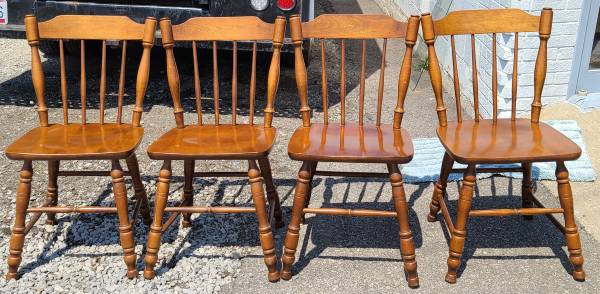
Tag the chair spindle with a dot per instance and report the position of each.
(541, 64)
(216, 82)
(102, 81)
(234, 86)
(197, 88)
(515, 78)
(324, 83)
(381, 82)
(37, 71)
(343, 83)
(456, 80)
(494, 78)
(121, 82)
(404, 79)
(475, 78)
(63, 82)
(253, 83)
(83, 85)
(363, 60)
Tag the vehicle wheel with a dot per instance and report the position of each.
(49, 48)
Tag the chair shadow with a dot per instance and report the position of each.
(508, 232)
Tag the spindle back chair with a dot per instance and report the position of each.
(351, 142)
(84, 140)
(218, 140)
(496, 140)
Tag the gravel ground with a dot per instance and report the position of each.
(222, 252)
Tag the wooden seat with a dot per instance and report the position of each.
(77, 141)
(512, 140)
(505, 141)
(351, 143)
(214, 142)
(83, 140)
(361, 142)
(218, 140)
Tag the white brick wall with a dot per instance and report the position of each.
(561, 47)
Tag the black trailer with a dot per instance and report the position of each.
(12, 12)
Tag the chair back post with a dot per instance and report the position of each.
(300, 68)
(274, 70)
(541, 63)
(172, 71)
(143, 71)
(434, 68)
(37, 71)
(404, 80)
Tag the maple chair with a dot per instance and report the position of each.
(487, 141)
(82, 141)
(218, 140)
(361, 142)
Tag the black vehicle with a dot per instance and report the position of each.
(12, 12)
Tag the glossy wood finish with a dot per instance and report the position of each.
(496, 140)
(86, 140)
(506, 141)
(351, 143)
(219, 140)
(361, 142)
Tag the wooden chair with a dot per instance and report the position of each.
(219, 141)
(495, 140)
(347, 142)
(82, 141)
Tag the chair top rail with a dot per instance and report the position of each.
(353, 26)
(91, 27)
(487, 21)
(240, 28)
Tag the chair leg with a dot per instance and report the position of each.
(527, 189)
(313, 169)
(571, 235)
(293, 231)
(154, 236)
(274, 203)
(188, 191)
(264, 228)
(125, 230)
(458, 235)
(440, 188)
(407, 246)
(140, 191)
(52, 194)
(17, 239)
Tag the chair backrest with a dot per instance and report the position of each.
(493, 21)
(212, 30)
(352, 26)
(86, 28)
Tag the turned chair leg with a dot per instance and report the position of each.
(264, 228)
(439, 188)
(52, 194)
(140, 190)
(188, 191)
(571, 234)
(407, 246)
(125, 230)
(458, 235)
(160, 203)
(527, 189)
(17, 239)
(275, 213)
(293, 231)
(313, 169)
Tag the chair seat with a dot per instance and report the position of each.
(76, 141)
(506, 142)
(351, 143)
(214, 142)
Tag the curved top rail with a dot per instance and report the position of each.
(91, 27)
(486, 22)
(239, 28)
(353, 26)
